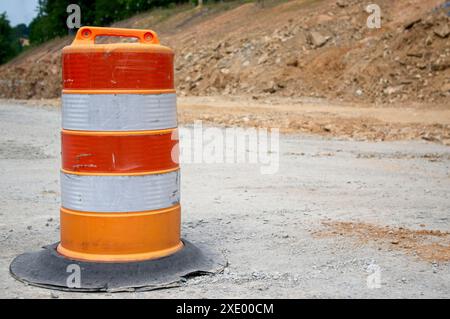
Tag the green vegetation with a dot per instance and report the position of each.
(10, 44)
(52, 16)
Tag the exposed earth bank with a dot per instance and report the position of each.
(310, 48)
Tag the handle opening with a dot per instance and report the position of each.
(88, 35)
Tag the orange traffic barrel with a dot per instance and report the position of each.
(120, 179)
(119, 174)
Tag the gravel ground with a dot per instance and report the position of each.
(264, 224)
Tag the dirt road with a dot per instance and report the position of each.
(429, 122)
(336, 214)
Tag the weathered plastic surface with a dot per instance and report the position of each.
(145, 65)
(118, 153)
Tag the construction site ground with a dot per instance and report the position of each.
(360, 191)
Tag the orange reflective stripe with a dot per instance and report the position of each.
(118, 153)
(118, 70)
(120, 236)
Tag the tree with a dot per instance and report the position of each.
(52, 17)
(52, 14)
(21, 31)
(9, 45)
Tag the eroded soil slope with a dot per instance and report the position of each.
(320, 48)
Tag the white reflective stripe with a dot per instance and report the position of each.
(118, 112)
(121, 193)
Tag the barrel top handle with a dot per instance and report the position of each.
(87, 35)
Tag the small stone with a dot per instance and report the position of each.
(317, 39)
(391, 90)
(442, 31)
(292, 62)
(415, 54)
(421, 65)
(262, 59)
(272, 88)
(446, 88)
(412, 23)
(342, 3)
(440, 66)
(406, 81)
(199, 77)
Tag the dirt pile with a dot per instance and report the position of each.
(327, 51)
(322, 118)
(429, 245)
(299, 48)
(35, 74)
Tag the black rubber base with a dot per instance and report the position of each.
(48, 269)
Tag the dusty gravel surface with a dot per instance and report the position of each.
(335, 211)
